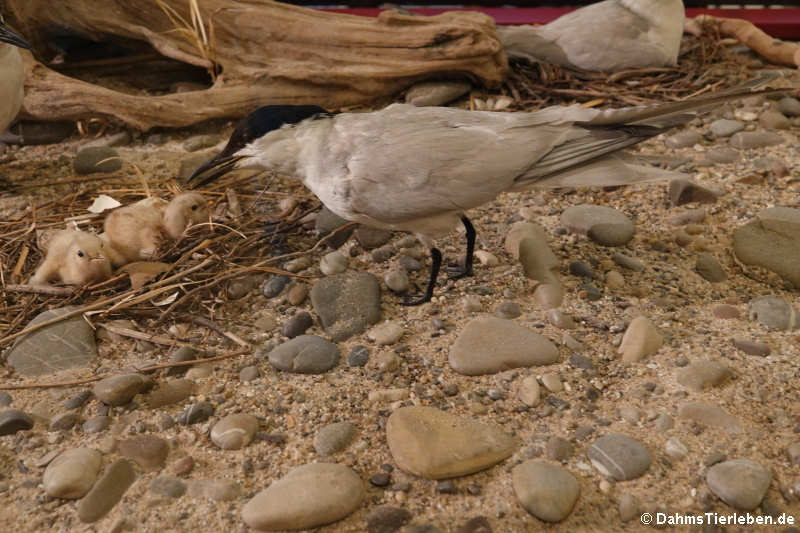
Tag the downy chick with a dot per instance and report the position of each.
(137, 231)
(74, 258)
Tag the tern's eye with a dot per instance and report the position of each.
(194, 207)
(80, 253)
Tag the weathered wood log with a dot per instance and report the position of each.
(266, 53)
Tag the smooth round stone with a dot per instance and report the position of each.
(382, 254)
(199, 372)
(725, 312)
(249, 373)
(701, 375)
(275, 286)
(740, 483)
(297, 294)
(386, 519)
(582, 270)
(683, 139)
(558, 449)
(709, 268)
(529, 391)
(548, 295)
(723, 156)
(683, 191)
(297, 265)
(628, 507)
(745, 140)
(96, 424)
(772, 241)
(182, 354)
(169, 393)
(119, 390)
(436, 93)
(78, 401)
(626, 261)
(752, 347)
(171, 487)
(675, 449)
(604, 225)
(358, 356)
(370, 238)
(552, 382)
(397, 281)
(97, 159)
(13, 420)
(216, 490)
(347, 303)
(614, 280)
(560, 319)
(640, 340)
(306, 354)
(508, 310)
(663, 423)
(199, 412)
(773, 120)
(386, 333)
(333, 263)
(436, 444)
(487, 345)
(707, 414)
(487, 259)
(334, 438)
(546, 491)
(107, 492)
(619, 456)
(72, 473)
(538, 261)
(234, 431)
(297, 325)
(725, 128)
(308, 496)
(148, 451)
(774, 312)
(409, 264)
(64, 421)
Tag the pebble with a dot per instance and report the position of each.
(381, 479)
(184, 353)
(552, 382)
(691, 216)
(107, 492)
(625, 261)
(725, 128)
(239, 288)
(148, 451)
(66, 344)
(745, 140)
(581, 269)
(707, 414)
(529, 391)
(772, 241)
(347, 303)
(548, 492)
(120, 389)
(5, 399)
(397, 281)
(97, 159)
(723, 156)
(683, 139)
(308, 496)
(559, 319)
(387, 395)
(215, 490)
(199, 142)
(13, 420)
(619, 456)
(234, 431)
(275, 286)
(386, 519)
(436, 444)
(558, 449)
(725, 312)
(333, 263)
(297, 325)
(96, 424)
(487, 345)
(199, 412)
(793, 453)
(478, 524)
(604, 225)
(774, 120)
(472, 304)
(297, 265)
(487, 259)
(334, 438)
(701, 375)
(614, 280)
(171, 487)
(249, 373)
(640, 340)
(326, 222)
(306, 354)
(675, 449)
(709, 268)
(789, 106)
(358, 356)
(183, 466)
(683, 191)
(370, 238)
(577, 360)
(436, 93)
(383, 254)
(774, 312)
(740, 483)
(409, 264)
(628, 507)
(752, 347)
(72, 473)
(64, 421)
(169, 393)
(386, 333)
(508, 310)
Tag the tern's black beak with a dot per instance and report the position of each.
(11, 37)
(213, 169)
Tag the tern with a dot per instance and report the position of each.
(419, 169)
(12, 75)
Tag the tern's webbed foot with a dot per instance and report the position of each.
(458, 271)
(415, 299)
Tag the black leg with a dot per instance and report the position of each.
(436, 263)
(458, 271)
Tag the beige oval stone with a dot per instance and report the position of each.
(487, 345)
(171, 392)
(308, 496)
(640, 340)
(107, 492)
(545, 490)
(234, 431)
(548, 295)
(72, 473)
(529, 391)
(435, 444)
(708, 414)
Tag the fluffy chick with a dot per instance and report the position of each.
(136, 232)
(75, 258)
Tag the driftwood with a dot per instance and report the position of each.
(264, 51)
(773, 50)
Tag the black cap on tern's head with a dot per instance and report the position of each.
(255, 125)
(11, 37)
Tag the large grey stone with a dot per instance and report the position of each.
(772, 241)
(619, 456)
(306, 354)
(60, 346)
(72, 473)
(347, 303)
(740, 483)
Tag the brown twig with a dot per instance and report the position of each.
(39, 289)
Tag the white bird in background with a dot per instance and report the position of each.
(608, 36)
(419, 169)
(12, 75)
